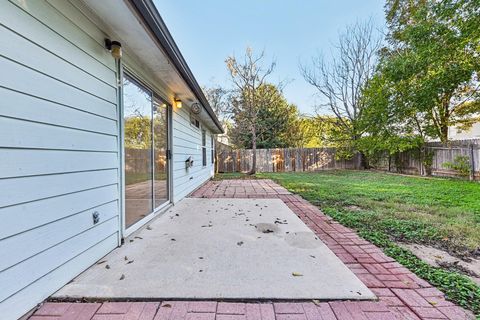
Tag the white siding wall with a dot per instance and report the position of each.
(58, 150)
(187, 141)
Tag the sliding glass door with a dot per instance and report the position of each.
(145, 149)
(160, 139)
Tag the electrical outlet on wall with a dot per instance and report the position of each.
(96, 217)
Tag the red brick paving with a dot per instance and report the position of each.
(402, 295)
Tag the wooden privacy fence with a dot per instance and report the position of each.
(409, 162)
(317, 159)
(284, 160)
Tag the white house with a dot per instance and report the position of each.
(455, 133)
(102, 127)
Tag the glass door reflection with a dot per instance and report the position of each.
(160, 143)
(146, 137)
(137, 103)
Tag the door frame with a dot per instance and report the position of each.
(124, 231)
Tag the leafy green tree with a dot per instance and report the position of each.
(390, 125)
(138, 132)
(432, 62)
(276, 120)
(321, 131)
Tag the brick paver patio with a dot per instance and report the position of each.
(402, 295)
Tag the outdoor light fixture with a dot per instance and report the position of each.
(114, 47)
(178, 103)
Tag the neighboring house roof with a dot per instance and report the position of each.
(153, 20)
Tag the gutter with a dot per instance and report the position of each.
(152, 18)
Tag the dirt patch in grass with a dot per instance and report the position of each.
(440, 258)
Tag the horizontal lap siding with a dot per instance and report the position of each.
(187, 141)
(58, 150)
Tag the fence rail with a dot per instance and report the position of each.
(318, 159)
(284, 160)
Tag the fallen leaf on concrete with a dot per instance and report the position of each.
(125, 258)
(122, 277)
(312, 256)
(130, 261)
(316, 302)
(107, 266)
(173, 239)
(149, 228)
(297, 274)
(103, 261)
(137, 237)
(267, 231)
(239, 243)
(166, 305)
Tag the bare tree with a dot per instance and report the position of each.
(218, 97)
(248, 75)
(340, 81)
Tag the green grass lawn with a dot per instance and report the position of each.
(386, 209)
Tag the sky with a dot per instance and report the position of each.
(290, 32)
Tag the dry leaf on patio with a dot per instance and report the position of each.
(131, 261)
(103, 261)
(166, 305)
(149, 228)
(297, 274)
(239, 243)
(107, 266)
(126, 258)
(316, 302)
(122, 277)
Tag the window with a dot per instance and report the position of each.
(194, 121)
(204, 148)
(212, 146)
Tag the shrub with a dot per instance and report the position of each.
(460, 164)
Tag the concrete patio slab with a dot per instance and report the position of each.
(221, 249)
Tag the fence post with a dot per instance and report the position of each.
(472, 162)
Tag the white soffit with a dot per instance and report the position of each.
(121, 22)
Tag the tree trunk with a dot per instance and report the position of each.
(445, 119)
(444, 133)
(362, 163)
(254, 151)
